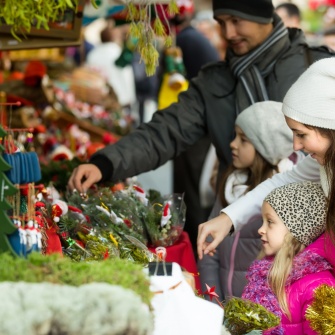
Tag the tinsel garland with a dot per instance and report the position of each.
(321, 313)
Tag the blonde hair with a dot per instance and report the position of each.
(281, 268)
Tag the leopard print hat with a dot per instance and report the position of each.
(302, 207)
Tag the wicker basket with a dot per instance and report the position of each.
(88, 85)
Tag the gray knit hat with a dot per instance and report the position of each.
(264, 125)
(260, 11)
(311, 99)
(302, 207)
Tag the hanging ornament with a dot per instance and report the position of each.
(58, 209)
(174, 81)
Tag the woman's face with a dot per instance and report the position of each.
(308, 140)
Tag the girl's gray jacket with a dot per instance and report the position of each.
(227, 268)
(208, 106)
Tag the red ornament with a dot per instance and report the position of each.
(211, 292)
(127, 222)
(106, 254)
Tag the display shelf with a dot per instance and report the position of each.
(64, 119)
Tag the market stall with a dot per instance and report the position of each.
(115, 260)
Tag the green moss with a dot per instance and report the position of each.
(61, 270)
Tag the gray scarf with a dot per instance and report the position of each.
(252, 68)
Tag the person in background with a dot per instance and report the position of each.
(261, 148)
(103, 58)
(290, 14)
(328, 37)
(285, 279)
(263, 60)
(204, 22)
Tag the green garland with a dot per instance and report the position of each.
(242, 316)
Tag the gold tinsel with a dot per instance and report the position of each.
(321, 313)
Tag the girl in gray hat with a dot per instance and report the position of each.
(284, 280)
(260, 149)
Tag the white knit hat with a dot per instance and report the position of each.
(264, 125)
(311, 99)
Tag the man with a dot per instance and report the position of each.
(290, 14)
(263, 60)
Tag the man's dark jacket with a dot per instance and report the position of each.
(208, 106)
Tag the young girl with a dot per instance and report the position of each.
(309, 107)
(260, 149)
(284, 281)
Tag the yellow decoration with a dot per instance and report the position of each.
(167, 95)
(113, 239)
(321, 313)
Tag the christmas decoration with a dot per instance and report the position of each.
(120, 224)
(174, 81)
(165, 219)
(212, 294)
(243, 316)
(59, 208)
(320, 313)
(111, 219)
(148, 24)
(6, 188)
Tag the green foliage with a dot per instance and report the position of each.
(242, 316)
(58, 173)
(313, 19)
(147, 26)
(61, 270)
(24, 14)
(101, 236)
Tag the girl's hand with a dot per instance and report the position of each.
(218, 228)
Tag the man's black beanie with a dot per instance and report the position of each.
(260, 11)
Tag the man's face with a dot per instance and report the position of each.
(241, 35)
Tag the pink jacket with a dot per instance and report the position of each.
(309, 271)
(300, 293)
(324, 247)
(300, 296)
